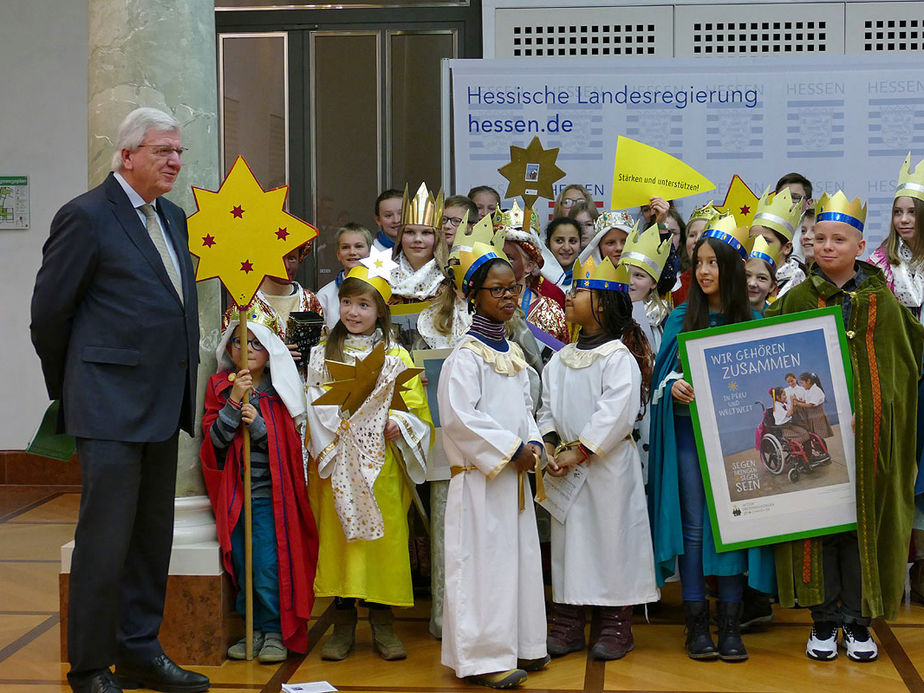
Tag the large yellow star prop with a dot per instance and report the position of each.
(531, 172)
(242, 233)
(740, 201)
(352, 383)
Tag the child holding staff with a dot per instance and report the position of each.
(265, 397)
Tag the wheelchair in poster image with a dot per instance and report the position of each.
(781, 453)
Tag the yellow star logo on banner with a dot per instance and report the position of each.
(740, 201)
(242, 233)
(531, 172)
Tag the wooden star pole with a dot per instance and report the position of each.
(241, 234)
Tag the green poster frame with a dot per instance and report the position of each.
(755, 327)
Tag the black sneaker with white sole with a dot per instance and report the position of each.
(859, 643)
(822, 643)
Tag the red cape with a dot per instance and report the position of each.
(547, 288)
(296, 533)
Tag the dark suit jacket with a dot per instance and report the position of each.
(117, 346)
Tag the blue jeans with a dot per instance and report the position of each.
(265, 567)
(692, 516)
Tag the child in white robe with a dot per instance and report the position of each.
(494, 606)
(592, 393)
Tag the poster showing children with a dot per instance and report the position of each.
(772, 417)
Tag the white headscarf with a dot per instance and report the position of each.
(286, 380)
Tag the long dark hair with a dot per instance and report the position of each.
(353, 286)
(813, 378)
(615, 319)
(733, 288)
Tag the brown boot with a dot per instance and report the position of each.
(615, 633)
(567, 630)
(387, 644)
(343, 638)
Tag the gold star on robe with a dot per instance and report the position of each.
(245, 245)
(352, 383)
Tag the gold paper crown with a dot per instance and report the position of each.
(706, 211)
(911, 184)
(604, 275)
(762, 250)
(724, 228)
(838, 208)
(256, 312)
(471, 250)
(513, 218)
(646, 251)
(422, 209)
(378, 283)
(777, 212)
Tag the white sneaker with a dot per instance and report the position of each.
(822, 643)
(859, 643)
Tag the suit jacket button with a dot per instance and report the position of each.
(182, 364)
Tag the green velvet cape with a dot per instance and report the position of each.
(886, 345)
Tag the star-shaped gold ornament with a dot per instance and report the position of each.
(352, 383)
(236, 233)
(531, 172)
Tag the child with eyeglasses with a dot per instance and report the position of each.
(284, 537)
(494, 605)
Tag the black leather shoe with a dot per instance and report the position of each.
(161, 674)
(103, 682)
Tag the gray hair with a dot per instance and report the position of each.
(135, 126)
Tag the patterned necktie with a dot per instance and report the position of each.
(157, 237)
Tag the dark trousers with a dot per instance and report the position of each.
(122, 553)
(692, 516)
(840, 563)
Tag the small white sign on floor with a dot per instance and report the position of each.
(314, 687)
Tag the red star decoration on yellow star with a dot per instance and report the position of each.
(237, 212)
(247, 248)
(208, 240)
(281, 234)
(740, 201)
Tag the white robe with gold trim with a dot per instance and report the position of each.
(494, 605)
(602, 554)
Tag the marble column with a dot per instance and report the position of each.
(161, 53)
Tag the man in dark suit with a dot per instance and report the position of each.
(116, 326)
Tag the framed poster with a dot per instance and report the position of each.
(772, 419)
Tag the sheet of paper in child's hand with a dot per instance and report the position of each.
(561, 491)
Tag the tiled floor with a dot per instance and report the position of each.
(35, 522)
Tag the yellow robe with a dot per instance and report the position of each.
(378, 571)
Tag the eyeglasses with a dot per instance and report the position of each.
(162, 151)
(568, 202)
(796, 198)
(454, 221)
(501, 291)
(574, 289)
(252, 343)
